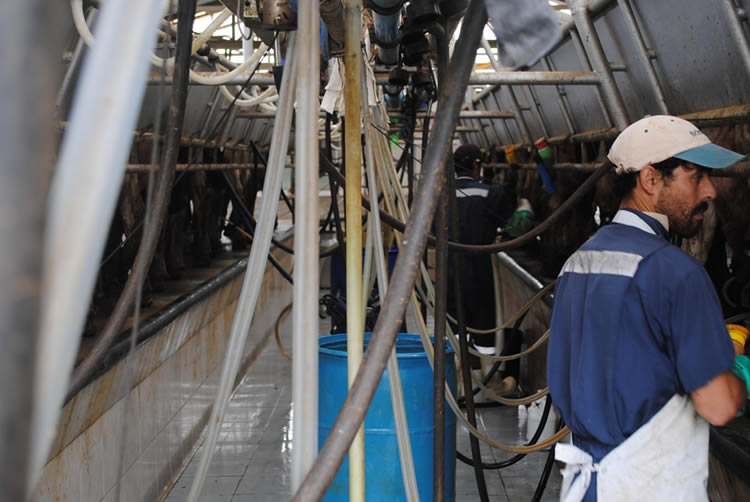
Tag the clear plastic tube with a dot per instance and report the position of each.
(394, 376)
(78, 215)
(256, 265)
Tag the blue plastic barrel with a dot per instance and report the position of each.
(383, 480)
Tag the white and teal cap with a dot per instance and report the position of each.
(659, 137)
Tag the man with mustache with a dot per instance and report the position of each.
(640, 360)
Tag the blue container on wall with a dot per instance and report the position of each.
(383, 480)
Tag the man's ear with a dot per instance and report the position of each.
(649, 179)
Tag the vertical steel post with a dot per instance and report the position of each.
(306, 247)
(353, 204)
(642, 54)
(576, 39)
(27, 112)
(593, 46)
(536, 108)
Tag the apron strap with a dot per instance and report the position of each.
(577, 462)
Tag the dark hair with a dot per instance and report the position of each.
(625, 183)
(464, 157)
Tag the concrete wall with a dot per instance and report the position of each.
(174, 377)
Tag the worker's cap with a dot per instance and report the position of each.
(660, 137)
(466, 154)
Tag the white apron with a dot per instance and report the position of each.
(665, 459)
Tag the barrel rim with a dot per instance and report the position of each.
(403, 336)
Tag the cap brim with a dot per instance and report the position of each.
(711, 156)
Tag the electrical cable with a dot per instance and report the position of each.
(516, 458)
(545, 475)
(566, 206)
(271, 259)
(404, 150)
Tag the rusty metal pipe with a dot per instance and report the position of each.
(353, 223)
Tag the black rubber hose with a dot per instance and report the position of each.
(438, 385)
(506, 463)
(495, 366)
(368, 376)
(587, 185)
(545, 475)
(163, 191)
(441, 310)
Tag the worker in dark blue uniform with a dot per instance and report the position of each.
(640, 360)
(482, 209)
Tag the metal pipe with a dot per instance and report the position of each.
(161, 199)
(536, 108)
(737, 31)
(353, 204)
(497, 78)
(78, 217)
(642, 54)
(467, 114)
(438, 382)
(362, 391)
(262, 79)
(256, 263)
(145, 168)
(306, 246)
(213, 106)
(27, 113)
(441, 301)
(536, 78)
(599, 61)
(493, 137)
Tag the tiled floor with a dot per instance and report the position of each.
(252, 461)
